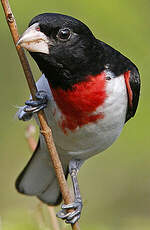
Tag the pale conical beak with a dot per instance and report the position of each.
(34, 40)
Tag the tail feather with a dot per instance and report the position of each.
(54, 190)
(38, 177)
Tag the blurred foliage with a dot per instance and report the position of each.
(115, 185)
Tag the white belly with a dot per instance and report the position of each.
(93, 138)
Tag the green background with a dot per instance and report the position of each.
(116, 184)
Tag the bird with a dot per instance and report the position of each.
(88, 91)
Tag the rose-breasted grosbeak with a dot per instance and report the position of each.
(88, 89)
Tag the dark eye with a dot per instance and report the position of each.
(64, 34)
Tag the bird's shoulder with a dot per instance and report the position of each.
(119, 64)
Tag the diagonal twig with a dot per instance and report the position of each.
(45, 130)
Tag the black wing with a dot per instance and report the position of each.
(119, 64)
(134, 82)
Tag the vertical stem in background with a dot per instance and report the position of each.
(30, 131)
(53, 218)
(46, 131)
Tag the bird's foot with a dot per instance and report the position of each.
(25, 113)
(73, 216)
(37, 105)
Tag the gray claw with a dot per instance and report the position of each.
(75, 205)
(35, 106)
(41, 95)
(25, 113)
(73, 221)
(30, 109)
(73, 214)
(62, 214)
(70, 217)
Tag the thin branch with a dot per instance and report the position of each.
(39, 216)
(29, 134)
(45, 130)
(53, 218)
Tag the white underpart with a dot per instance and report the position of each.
(34, 40)
(95, 137)
(39, 177)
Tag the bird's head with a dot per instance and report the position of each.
(61, 45)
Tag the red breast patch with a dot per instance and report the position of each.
(78, 104)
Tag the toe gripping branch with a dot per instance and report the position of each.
(33, 106)
(40, 103)
(74, 216)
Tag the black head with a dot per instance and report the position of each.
(51, 23)
(62, 46)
